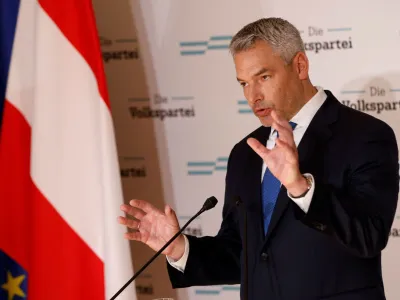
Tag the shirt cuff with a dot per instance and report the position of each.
(181, 263)
(304, 202)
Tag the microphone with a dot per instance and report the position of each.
(208, 204)
(239, 203)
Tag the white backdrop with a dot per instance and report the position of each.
(195, 110)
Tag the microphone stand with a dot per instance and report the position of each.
(239, 202)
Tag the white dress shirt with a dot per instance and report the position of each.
(302, 119)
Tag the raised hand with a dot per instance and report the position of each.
(282, 160)
(153, 227)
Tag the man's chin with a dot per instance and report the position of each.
(266, 121)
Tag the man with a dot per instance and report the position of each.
(318, 180)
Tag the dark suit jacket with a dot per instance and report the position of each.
(332, 252)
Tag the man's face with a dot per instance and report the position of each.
(268, 83)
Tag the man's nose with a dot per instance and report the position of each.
(255, 94)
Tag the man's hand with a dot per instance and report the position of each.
(153, 227)
(283, 159)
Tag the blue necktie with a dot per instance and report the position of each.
(269, 193)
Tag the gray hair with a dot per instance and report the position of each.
(281, 36)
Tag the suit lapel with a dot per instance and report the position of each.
(315, 137)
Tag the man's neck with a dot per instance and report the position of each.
(309, 92)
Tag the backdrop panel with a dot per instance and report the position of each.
(178, 109)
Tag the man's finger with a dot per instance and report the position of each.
(285, 134)
(133, 211)
(280, 120)
(128, 222)
(287, 148)
(135, 236)
(143, 205)
(259, 148)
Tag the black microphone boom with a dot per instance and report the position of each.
(239, 203)
(208, 204)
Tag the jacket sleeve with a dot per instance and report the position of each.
(214, 260)
(360, 216)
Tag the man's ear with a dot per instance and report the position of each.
(300, 65)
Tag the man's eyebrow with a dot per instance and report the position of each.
(259, 72)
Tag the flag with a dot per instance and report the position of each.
(60, 188)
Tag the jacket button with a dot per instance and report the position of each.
(264, 256)
(319, 226)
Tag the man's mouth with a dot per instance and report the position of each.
(263, 112)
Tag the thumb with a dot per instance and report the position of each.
(171, 216)
(259, 148)
(169, 212)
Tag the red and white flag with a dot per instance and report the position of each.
(60, 188)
